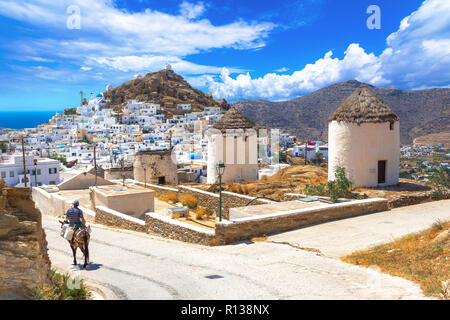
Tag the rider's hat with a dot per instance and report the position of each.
(76, 203)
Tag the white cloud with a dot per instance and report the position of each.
(283, 69)
(190, 10)
(355, 64)
(118, 31)
(417, 55)
(128, 41)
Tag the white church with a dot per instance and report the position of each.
(364, 138)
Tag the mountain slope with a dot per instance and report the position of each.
(163, 87)
(307, 116)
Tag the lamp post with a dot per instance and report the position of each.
(35, 172)
(220, 168)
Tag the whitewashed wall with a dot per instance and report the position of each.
(359, 148)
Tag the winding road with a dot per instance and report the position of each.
(134, 265)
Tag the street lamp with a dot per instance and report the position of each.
(35, 172)
(220, 168)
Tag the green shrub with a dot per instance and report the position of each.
(58, 289)
(341, 187)
(60, 158)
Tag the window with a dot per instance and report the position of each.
(3, 174)
(391, 126)
(11, 174)
(39, 172)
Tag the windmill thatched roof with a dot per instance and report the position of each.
(233, 119)
(363, 106)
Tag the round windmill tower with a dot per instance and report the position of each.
(233, 141)
(364, 138)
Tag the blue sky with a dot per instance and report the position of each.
(232, 49)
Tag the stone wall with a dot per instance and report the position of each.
(416, 198)
(54, 205)
(117, 174)
(229, 200)
(157, 164)
(113, 218)
(240, 229)
(245, 228)
(24, 262)
(177, 230)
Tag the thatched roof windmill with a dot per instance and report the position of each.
(363, 106)
(364, 138)
(232, 120)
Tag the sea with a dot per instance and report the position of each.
(24, 119)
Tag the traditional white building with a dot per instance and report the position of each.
(233, 141)
(364, 138)
(11, 171)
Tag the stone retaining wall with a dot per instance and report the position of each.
(416, 198)
(177, 230)
(113, 218)
(229, 200)
(245, 228)
(240, 229)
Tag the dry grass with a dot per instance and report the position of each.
(289, 180)
(422, 257)
(202, 213)
(170, 197)
(188, 200)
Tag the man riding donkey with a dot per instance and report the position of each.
(80, 239)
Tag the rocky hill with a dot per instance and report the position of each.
(164, 87)
(421, 112)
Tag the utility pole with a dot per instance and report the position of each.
(306, 151)
(95, 162)
(24, 165)
(122, 161)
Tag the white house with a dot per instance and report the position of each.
(184, 107)
(46, 173)
(364, 138)
(299, 151)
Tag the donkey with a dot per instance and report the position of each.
(80, 240)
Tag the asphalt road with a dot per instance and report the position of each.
(138, 266)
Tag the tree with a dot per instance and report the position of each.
(319, 158)
(70, 111)
(4, 146)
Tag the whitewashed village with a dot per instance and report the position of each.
(212, 178)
